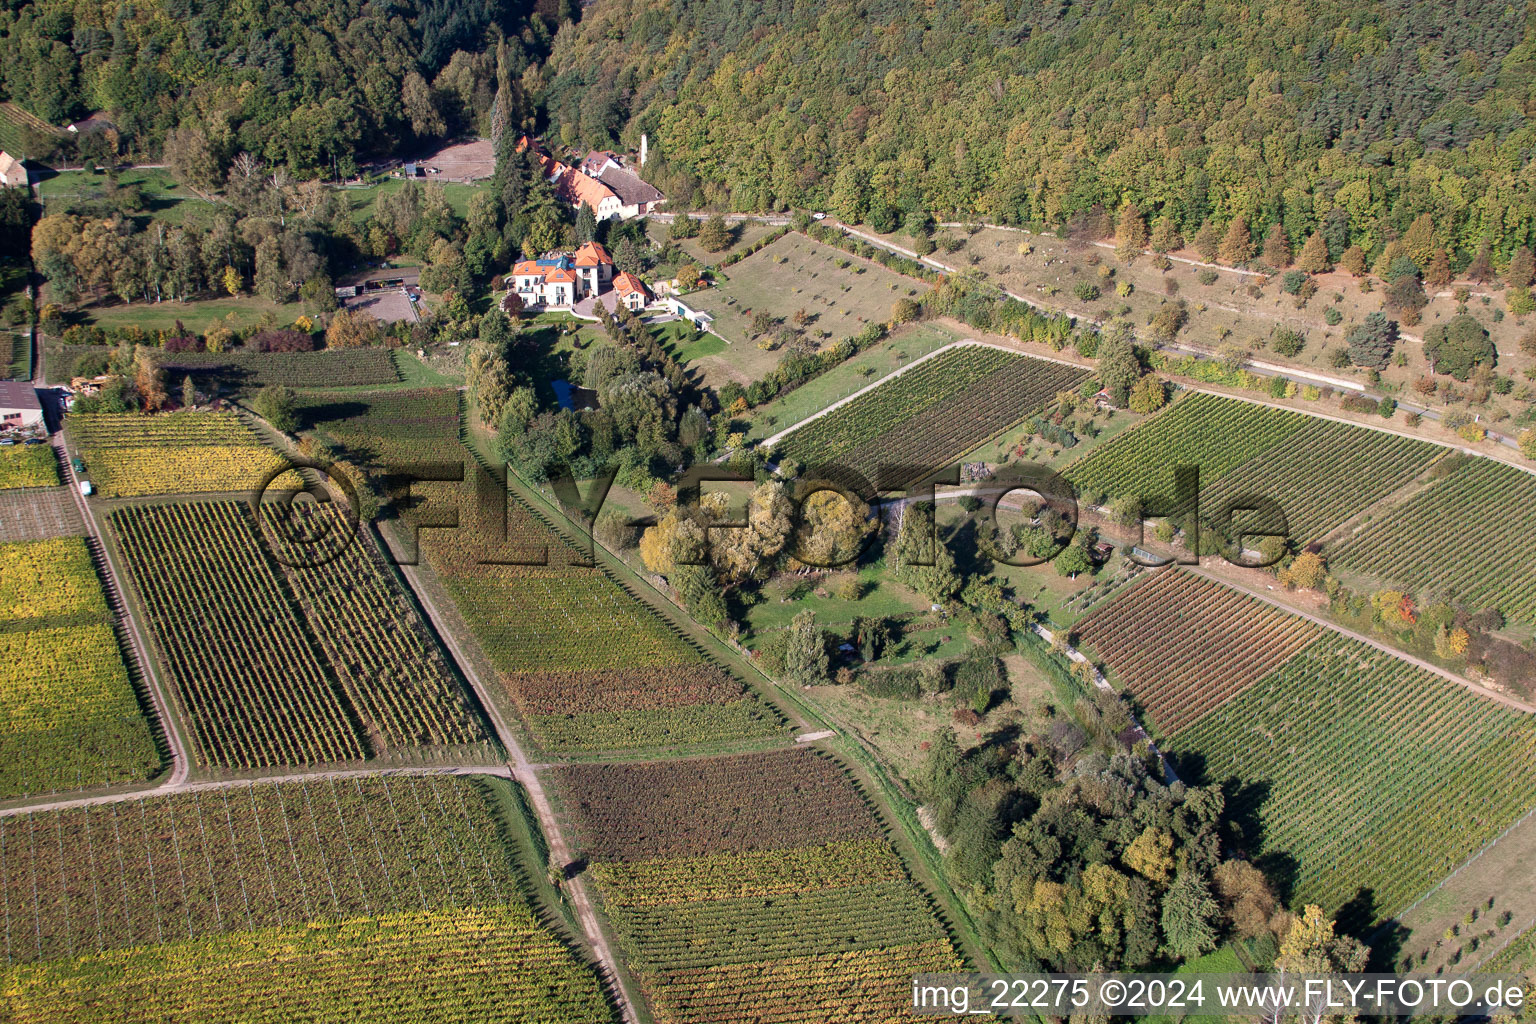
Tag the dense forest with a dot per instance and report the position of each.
(315, 85)
(1355, 117)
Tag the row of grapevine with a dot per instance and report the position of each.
(931, 414)
(589, 666)
(283, 663)
(492, 965)
(28, 465)
(1183, 644)
(254, 686)
(1319, 472)
(251, 370)
(756, 887)
(391, 669)
(69, 717)
(418, 425)
(209, 862)
(1365, 773)
(128, 455)
(1467, 535)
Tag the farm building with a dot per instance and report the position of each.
(13, 172)
(600, 182)
(19, 406)
(680, 309)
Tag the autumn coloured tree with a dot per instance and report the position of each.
(1237, 243)
(1313, 257)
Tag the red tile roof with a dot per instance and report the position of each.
(558, 275)
(577, 188)
(527, 267)
(625, 282)
(592, 254)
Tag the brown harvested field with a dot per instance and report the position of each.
(463, 161)
(38, 515)
(735, 804)
(1182, 644)
(628, 689)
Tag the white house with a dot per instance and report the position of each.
(594, 267)
(548, 281)
(19, 406)
(680, 309)
(632, 291)
(13, 173)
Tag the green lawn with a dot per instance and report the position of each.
(160, 196)
(362, 199)
(196, 316)
(882, 597)
(19, 347)
(908, 343)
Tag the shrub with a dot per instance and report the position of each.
(1287, 342)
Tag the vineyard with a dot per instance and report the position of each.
(1320, 472)
(235, 858)
(128, 455)
(250, 677)
(493, 965)
(1467, 534)
(1183, 644)
(308, 900)
(393, 427)
(69, 717)
(753, 887)
(391, 669)
(931, 414)
(248, 371)
(288, 665)
(1383, 778)
(588, 664)
(28, 465)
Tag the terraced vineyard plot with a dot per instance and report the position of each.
(588, 664)
(1468, 535)
(753, 887)
(1183, 644)
(69, 717)
(496, 965)
(28, 465)
(230, 859)
(1320, 472)
(254, 686)
(1366, 772)
(248, 371)
(128, 455)
(931, 414)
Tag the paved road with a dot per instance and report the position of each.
(524, 771)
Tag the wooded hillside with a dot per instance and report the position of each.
(312, 84)
(1281, 111)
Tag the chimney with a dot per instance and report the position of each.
(644, 145)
